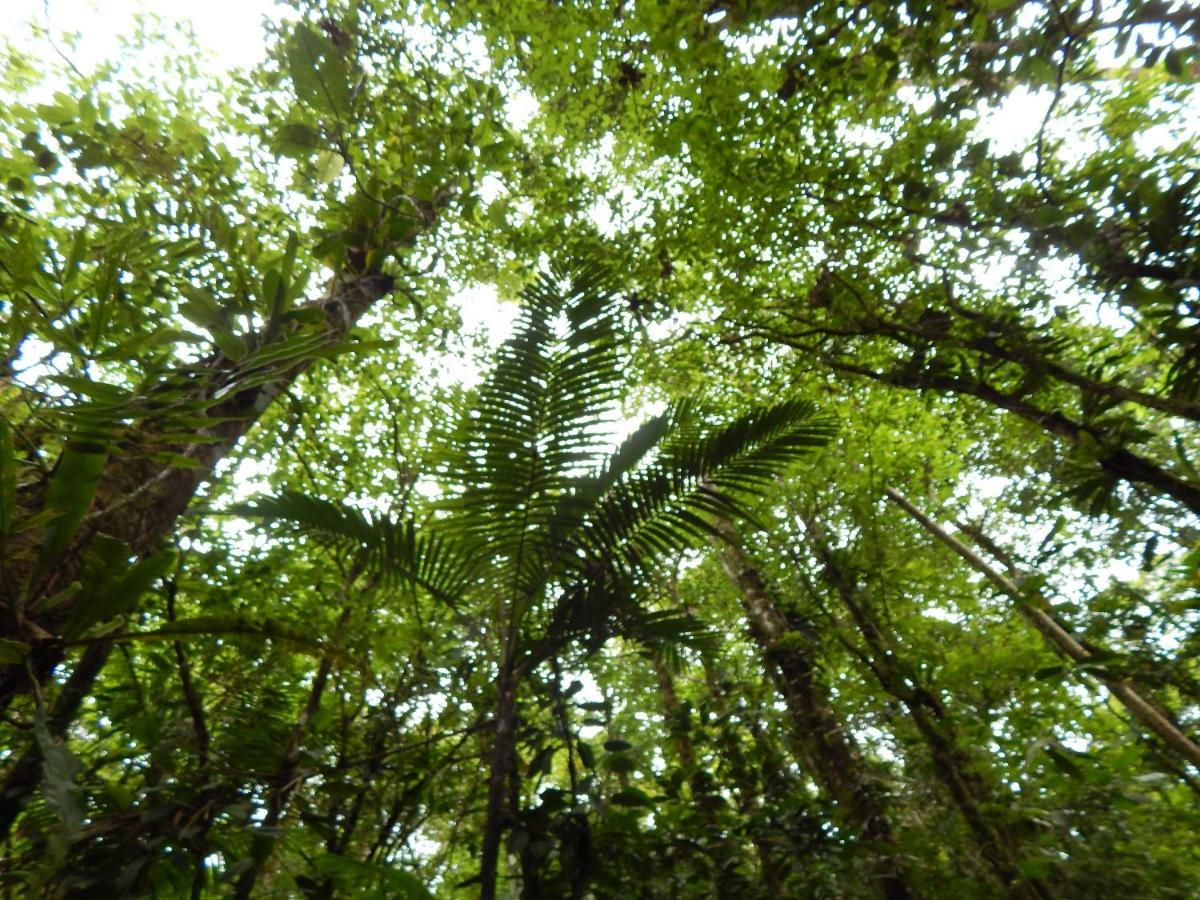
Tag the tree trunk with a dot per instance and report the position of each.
(955, 768)
(139, 496)
(1142, 709)
(823, 746)
(498, 817)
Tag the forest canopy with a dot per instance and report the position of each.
(640, 448)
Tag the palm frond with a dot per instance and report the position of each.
(399, 552)
(592, 610)
(540, 418)
(656, 511)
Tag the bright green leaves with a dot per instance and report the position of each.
(283, 285)
(64, 109)
(320, 71)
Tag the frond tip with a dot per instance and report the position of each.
(401, 553)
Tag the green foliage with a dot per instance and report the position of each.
(965, 233)
(399, 553)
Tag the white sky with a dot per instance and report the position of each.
(231, 30)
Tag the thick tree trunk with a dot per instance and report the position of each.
(955, 768)
(1142, 709)
(139, 497)
(823, 745)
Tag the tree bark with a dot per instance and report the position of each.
(1142, 709)
(504, 749)
(138, 497)
(823, 745)
(955, 768)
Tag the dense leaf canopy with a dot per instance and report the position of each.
(815, 514)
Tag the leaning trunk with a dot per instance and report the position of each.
(953, 766)
(1031, 607)
(142, 489)
(822, 743)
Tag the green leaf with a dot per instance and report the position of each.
(97, 390)
(284, 291)
(298, 140)
(59, 768)
(112, 586)
(63, 110)
(202, 308)
(631, 797)
(228, 342)
(178, 460)
(12, 652)
(329, 165)
(69, 497)
(318, 72)
(353, 875)
(1035, 867)
(586, 755)
(400, 552)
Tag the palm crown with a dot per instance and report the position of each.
(553, 533)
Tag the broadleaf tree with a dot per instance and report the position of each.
(823, 524)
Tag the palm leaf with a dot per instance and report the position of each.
(656, 511)
(535, 427)
(399, 552)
